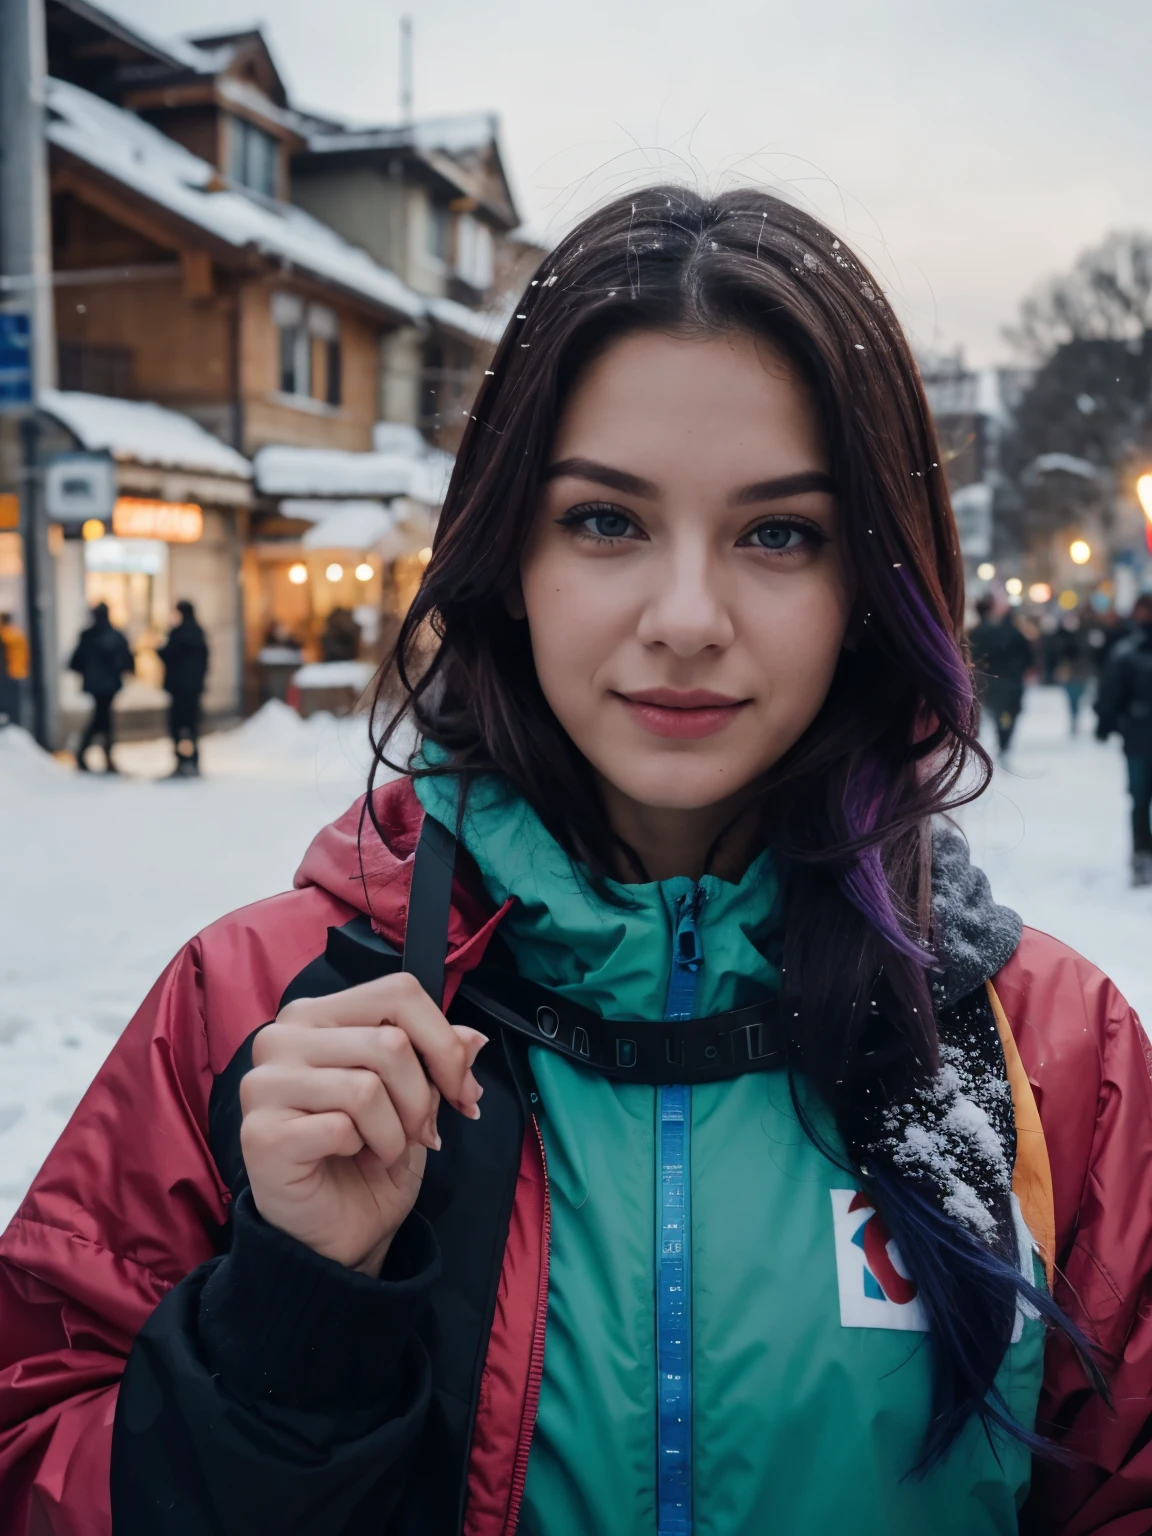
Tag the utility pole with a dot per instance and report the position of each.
(405, 71)
(26, 290)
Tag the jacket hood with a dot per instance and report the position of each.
(973, 935)
(350, 861)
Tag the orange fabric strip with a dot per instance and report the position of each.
(1032, 1175)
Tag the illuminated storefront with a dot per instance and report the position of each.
(175, 531)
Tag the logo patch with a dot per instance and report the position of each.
(875, 1291)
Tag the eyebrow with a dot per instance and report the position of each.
(603, 474)
(635, 485)
(787, 485)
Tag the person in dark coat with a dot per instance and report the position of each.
(1073, 663)
(102, 657)
(341, 638)
(1000, 656)
(1124, 705)
(185, 658)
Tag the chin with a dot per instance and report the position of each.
(674, 782)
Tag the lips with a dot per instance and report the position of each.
(683, 714)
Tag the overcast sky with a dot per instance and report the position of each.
(967, 149)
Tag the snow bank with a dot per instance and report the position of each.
(274, 731)
(22, 761)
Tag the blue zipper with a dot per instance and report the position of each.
(674, 1248)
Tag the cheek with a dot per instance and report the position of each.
(795, 638)
(578, 616)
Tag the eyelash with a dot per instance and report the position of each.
(578, 517)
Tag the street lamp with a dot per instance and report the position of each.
(1144, 496)
(1080, 551)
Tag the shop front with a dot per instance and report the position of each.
(339, 542)
(176, 531)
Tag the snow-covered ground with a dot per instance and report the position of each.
(103, 879)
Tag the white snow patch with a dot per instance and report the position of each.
(335, 674)
(22, 760)
(332, 472)
(355, 525)
(148, 434)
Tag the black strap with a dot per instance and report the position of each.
(750, 1039)
(429, 903)
(656, 1052)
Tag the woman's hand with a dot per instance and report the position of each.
(340, 1110)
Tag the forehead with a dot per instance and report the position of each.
(662, 405)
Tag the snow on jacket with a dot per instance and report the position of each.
(273, 1391)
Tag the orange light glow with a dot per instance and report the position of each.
(175, 522)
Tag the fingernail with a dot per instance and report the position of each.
(480, 1043)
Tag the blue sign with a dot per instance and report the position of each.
(15, 361)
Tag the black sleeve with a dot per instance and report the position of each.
(1112, 696)
(275, 1393)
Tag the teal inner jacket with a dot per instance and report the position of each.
(810, 1372)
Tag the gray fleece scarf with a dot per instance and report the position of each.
(973, 935)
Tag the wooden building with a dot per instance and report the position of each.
(281, 281)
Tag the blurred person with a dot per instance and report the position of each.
(340, 640)
(279, 644)
(1105, 631)
(1072, 662)
(102, 657)
(1124, 706)
(1001, 658)
(185, 658)
(661, 1128)
(13, 670)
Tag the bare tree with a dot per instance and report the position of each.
(1107, 296)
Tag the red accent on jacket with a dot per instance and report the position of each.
(129, 1200)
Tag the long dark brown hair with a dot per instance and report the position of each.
(848, 807)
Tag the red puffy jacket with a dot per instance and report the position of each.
(130, 1201)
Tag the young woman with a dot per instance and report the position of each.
(762, 1175)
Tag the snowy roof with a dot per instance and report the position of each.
(123, 146)
(1065, 464)
(332, 472)
(143, 433)
(476, 324)
(350, 525)
(455, 135)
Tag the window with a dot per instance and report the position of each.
(96, 370)
(473, 252)
(324, 327)
(439, 220)
(310, 353)
(251, 156)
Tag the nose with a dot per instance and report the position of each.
(687, 608)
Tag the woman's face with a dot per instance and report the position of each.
(684, 580)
